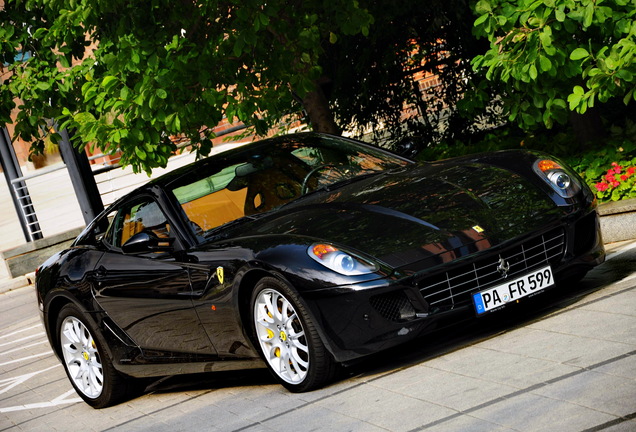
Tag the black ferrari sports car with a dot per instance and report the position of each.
(305, 252)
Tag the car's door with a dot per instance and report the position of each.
(148, 295)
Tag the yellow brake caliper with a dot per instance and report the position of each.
(270, 335)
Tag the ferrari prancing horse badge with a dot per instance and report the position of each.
(219, 274)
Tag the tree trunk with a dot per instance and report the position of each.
(319, 113)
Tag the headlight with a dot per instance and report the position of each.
(557, 177)
(339, 261)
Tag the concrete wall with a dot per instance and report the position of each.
(26, 258)
(618, 220)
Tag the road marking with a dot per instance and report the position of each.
(47, 353)
(60, 400)
(20, 331)
(9, 383)
(23, 347)
(23, 339)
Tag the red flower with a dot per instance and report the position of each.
(624, 177)
(615, 184)
(631, 170)
(601, 187)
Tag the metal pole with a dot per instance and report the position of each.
(22, 202)
(79, 170)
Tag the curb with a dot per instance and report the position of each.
(618, 220)
(16, 283)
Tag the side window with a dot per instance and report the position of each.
(135, 217)
(98, 232)
(214, 200)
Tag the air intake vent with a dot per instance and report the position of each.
(393, 306)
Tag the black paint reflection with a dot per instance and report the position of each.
(151, 300)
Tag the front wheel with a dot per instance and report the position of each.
(87, 365)
(287, 338)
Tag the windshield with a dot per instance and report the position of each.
(260, 178)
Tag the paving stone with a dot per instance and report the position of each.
(557, 347)
(592, 324)
(448, 389)
(319, 418)
(625, 368)
(511, 369)
(466, 424)
(386, 409)
(530, 412)
(259, 403)
(623, 304)
(626, 426)
(584, 390)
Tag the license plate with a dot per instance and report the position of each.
(513, 290)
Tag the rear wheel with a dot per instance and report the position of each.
(87, 365)
(287, 338)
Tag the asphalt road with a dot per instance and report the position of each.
(564, 361)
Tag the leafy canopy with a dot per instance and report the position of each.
(555, 56)
(372, 77)
(128, 74)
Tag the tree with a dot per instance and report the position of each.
(127, 75)
(552, 58)
(372, 77)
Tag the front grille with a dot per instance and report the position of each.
(451, 288)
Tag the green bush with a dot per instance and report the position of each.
(610, 171)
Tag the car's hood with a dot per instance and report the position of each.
(407, 216)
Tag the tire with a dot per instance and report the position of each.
(287, 338)
(87, 364)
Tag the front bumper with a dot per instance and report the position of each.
(362, 319)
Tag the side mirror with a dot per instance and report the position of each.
(144, 242)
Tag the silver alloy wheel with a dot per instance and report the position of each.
(281, 336)
(81, 357)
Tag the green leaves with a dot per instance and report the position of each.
(109, 82)
(135, 73)
(579, 53)
(545, 36)
(543, 47)
(545, 63)
(574, 99)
